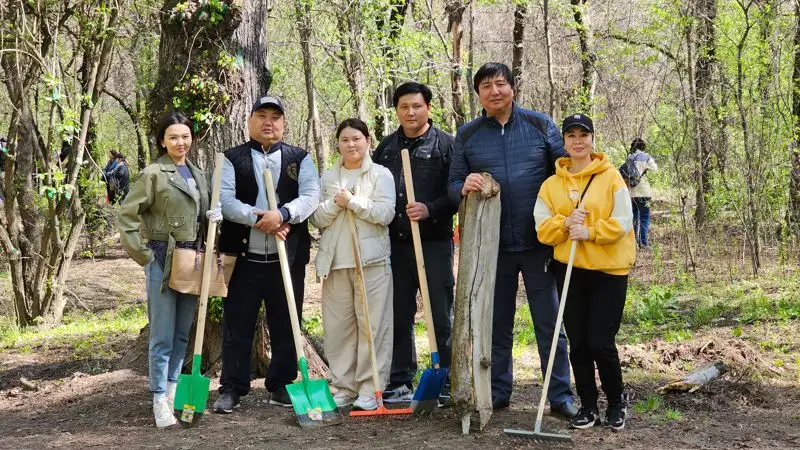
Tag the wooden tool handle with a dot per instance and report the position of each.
(287, 275)
(363, 288)
(421, 274)
(208, 260)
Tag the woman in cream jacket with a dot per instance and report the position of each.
(355, 186)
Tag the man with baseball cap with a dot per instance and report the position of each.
(249, 230)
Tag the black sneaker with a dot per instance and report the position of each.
(226, 402)
(444, 395)
(398, 393)
(280, 398)
(615, 416)
(586, 418)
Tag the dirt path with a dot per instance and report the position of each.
(73, 408)
(113, 409)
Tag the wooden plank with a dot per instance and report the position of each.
(479, 222)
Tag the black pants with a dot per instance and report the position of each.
(592, 316)
(438, 256)
(543, 302)
(252, 284)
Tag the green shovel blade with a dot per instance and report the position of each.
(192, 390)
(312, 401)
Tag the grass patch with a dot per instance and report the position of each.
(87, 334)
(524, 336)
(649, 405)
(672, 415)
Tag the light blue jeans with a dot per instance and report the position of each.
(170, 314)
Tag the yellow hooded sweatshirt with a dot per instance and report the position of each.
(611, 246)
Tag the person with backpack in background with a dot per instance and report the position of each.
(633, 171)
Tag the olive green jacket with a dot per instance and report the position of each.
(160, 207)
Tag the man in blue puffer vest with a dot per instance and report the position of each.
(518, 147)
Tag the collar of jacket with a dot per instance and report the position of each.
(366, 163)
(493, 121)
(255, 145)
(167, 165)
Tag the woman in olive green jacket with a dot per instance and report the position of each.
(164, 209)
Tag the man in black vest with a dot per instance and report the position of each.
(249, 230)
(429, 150)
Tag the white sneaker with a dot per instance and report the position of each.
(343, 399)
(162, 411)
(171, 388)
(366, 403)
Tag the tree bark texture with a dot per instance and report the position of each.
(305, 30)
(588, 55)
(549, 54)
(518, 51)
(705, 56)
(351, 53)
(455, 14)
(217, 97)
(479, 222)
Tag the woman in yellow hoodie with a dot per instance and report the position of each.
(588, 201)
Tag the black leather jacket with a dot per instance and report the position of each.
(430, 163)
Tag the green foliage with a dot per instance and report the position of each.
(524, 335)
(203, 96)
(650, 404)
(85, 333)
(312, 325)
(214, 309)
(211, 11)
(656, 307)
(672, 415)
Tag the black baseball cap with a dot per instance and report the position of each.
(577, 120)
(268, 100)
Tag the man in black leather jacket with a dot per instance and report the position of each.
(430, 149)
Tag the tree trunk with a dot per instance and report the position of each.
(390, 26)
(142, 147)
(478, 218)
(351, 52)
(41, 234)
(549, 54)
(794, 176)
(471, 62)
(305, 30)
(588, 56)
(518, 51)
(455, 14)
(705, 56)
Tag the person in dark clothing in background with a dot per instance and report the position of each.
(110, 165)
(430, 150)
(518, 147)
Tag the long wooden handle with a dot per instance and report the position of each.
(556, 333)
(421, 274)
(283, 258)
(208, 260)
(363, 287)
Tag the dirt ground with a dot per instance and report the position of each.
(71, 408)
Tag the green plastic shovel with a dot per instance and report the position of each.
(191, 394)
(311, 399)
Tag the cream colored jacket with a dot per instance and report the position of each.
(373, 206)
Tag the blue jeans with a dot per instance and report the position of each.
(170, 314)
(641, 219)
(543, 301)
